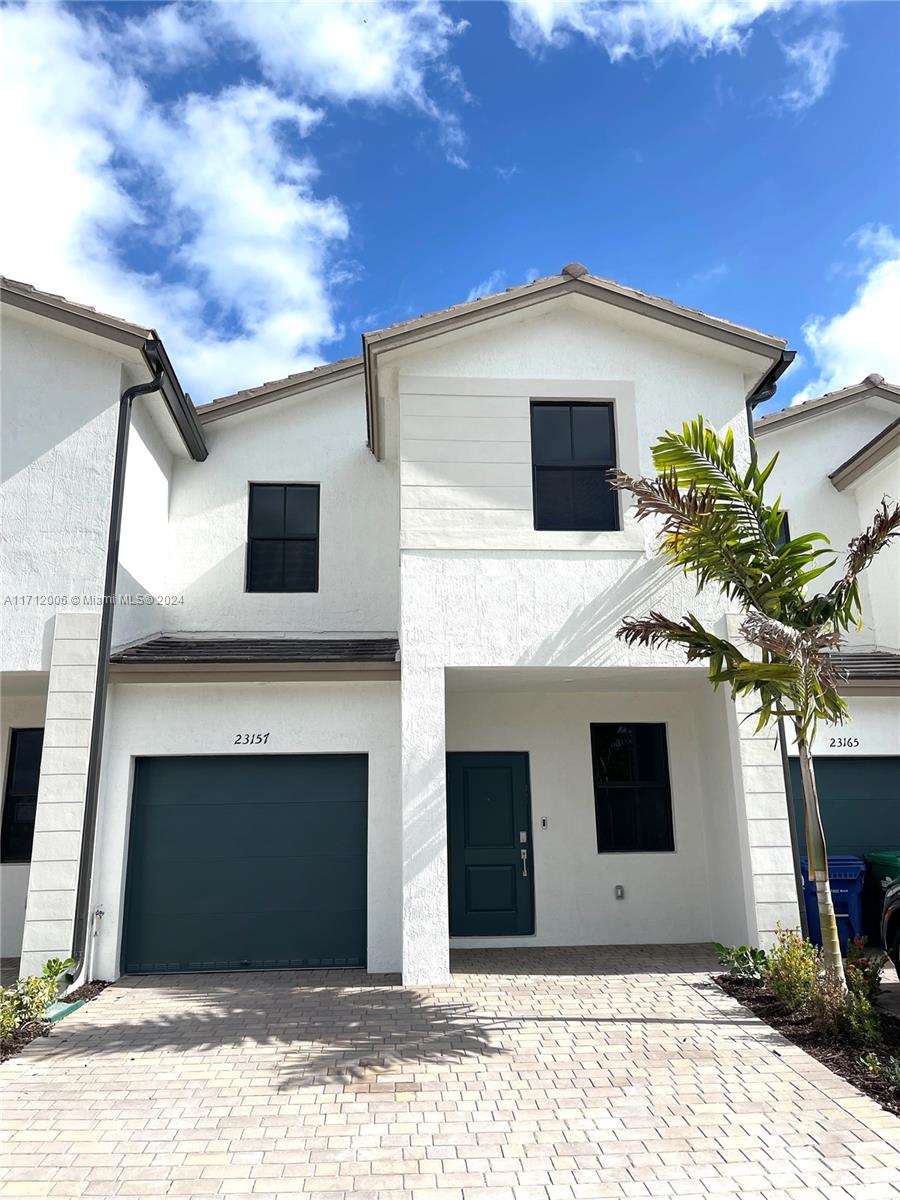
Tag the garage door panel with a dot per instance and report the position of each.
(247, 862)
(218, 831)
(322, 884)
(246, 941)
(860, 801)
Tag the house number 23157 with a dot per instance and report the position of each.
(250, 739)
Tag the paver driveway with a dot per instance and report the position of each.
(547, 1074)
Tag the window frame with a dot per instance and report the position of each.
(635, 785)
(546, 402)
(279, 483)
(6, 818)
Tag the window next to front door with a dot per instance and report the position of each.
(632, 795)
(20, 799)
(283, 538)
(573, 447)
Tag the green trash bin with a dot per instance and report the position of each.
(882, 866)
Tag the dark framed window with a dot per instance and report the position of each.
(784, 533)
(283, 538)
(573, 447)
(23, 770)
(632, 795)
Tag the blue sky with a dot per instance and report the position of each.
(263, 181)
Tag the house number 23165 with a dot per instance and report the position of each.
(844, 743)
(250, 739)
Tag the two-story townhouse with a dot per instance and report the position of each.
(73, 386)
(385, 712)
(839, 455)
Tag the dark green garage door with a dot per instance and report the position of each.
(860, 801)
(247, 862)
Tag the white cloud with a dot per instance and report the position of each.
(352, 50)
(495, 282)
(637, 27)
(710, 275)
(853, 344)
(814, 59)
(203, 216)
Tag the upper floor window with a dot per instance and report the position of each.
(632, 795)
(20, 802)
(283, 538)
(573, 446)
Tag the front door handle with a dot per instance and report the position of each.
(524, 854)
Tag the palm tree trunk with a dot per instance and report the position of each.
(818, 869)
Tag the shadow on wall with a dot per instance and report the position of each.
(586, 637)
(323, 1031)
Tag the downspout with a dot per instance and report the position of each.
(92, 786)
(765, 390)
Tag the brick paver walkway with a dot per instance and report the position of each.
(549, 1075)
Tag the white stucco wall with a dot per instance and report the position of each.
(808, 451)
(59, 420)
(144, 568)
(316, 437)
(461, 406)
(668, 896)
(874, 722)
(17, 711)
(883, 575)
(303, 718)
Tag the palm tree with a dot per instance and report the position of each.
(717, 527)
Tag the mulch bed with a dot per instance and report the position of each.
(838, 1056)
(11, 1046)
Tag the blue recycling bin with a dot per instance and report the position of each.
(847, 874)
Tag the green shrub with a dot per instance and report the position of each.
(793, 969)
(742, 962)
(28, 999)
(888, 1068)
(864, 969)
(848, 1016)
(858, 1021)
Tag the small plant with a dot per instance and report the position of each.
(864, 969)
(844, 1016)
(888, 1068)
(27, 1000)
(871, 1062)
(742, 962)
(858, 1021)
(793, 969)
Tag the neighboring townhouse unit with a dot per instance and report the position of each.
(376, 707)
(839, 455)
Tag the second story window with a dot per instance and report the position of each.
(573, 447)
(283, 538)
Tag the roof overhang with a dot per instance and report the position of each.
(871, 388)
(579, 283)
(122, 333)
(279, 389)
(871, 455)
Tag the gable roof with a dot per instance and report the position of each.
(135, 337)
(868, 456)
(872, 385)
(573, 279)
(278, 389)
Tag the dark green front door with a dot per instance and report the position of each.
(244, 862)
(489, 845)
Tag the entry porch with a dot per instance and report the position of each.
(559, 807)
